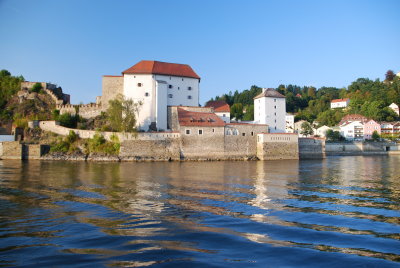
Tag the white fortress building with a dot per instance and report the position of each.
(270, 109)
(157, 85)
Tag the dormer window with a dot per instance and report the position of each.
(139, 84)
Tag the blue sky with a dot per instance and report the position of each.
(230, 44)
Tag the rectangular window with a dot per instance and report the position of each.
(170, 96)
(139, 84)
(189, 88)
(275, 106)
(189, 97)
(274, 100)
(146, 94)
(252, 133)
(213, 130)
(200, 132)
(187, 131)
(243, 134)
(169, 86)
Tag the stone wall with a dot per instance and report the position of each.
(11, 150)
(154, 150)
(242, 140)
(55, 92)
(359, 148)
(111, 87)
(51, 126)
(310, 148)
(208, 145)
(17, 150)
(90, 110)
(272, 146)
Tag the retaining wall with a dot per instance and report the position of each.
(310, 148)
(359, 148)
(272, 146)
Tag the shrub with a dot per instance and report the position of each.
(68, 120)
(99, 145)
(37, 87)
(72, 137)
(21, 122)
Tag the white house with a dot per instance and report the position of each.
(222, 109)
(321, 131)
(340, 103)
(395, 108)
(289, 120)
(270, 109)
(352, 130)
(157, 85)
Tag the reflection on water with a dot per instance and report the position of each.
(336, 212)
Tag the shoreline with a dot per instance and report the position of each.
(116, 158)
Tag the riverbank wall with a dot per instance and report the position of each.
(362, 148)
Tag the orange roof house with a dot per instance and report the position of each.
(188, 118)
(219, 106)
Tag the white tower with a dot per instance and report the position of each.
(270, 109)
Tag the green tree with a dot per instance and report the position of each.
(237, 111)
(333, 135)
(306, 129)
(122, 114)
(249, 115)
(389, 75)
(68, 120)
(375, 136)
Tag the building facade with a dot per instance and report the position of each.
(340, 103)
(395, 108)
(270, 109)
(353, 130)
(370, 127)
(289, 123)
(156, 85)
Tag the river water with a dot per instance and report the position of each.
(337, 212)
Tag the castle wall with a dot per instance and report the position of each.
(272, 146)
(111, 87)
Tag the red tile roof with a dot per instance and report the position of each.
(163, 68)
(339, 100)
(352, 118)
(270, 92)
(219, 106)
(187, 118)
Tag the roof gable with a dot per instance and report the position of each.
(189, 118)
(162, 68)
(271, 93)
(339, 100)
(219, 106)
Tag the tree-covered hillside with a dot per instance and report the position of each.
(370, 98)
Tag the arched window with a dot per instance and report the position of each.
(228, 132)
